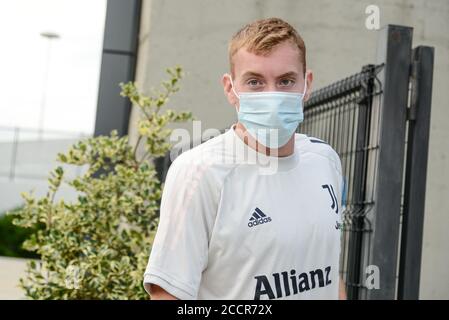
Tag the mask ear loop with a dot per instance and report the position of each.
(305, 86)
(232, 87)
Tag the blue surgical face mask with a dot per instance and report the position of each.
(271, 117)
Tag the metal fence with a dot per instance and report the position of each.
(378, 122)
(31, 153)
(341, 115)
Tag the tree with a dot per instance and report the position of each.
(97, 246)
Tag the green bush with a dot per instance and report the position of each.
(13, 236)
(97, 246)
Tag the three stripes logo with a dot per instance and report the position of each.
(330, 189)
(257, 218)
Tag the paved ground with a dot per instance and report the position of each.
(11, 270)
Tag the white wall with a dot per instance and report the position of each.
(31, 165)
(195, 34)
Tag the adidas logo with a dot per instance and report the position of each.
(257, 218)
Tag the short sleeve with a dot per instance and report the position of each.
(343, 193)
(180, 249)
(343, 186)
(341, 182)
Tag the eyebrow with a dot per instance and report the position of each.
(255, 74)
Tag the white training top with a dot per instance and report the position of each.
(237, 224)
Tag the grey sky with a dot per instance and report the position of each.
(74, 63)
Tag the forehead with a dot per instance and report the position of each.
(282, 59)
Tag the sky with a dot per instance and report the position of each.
(73, 64)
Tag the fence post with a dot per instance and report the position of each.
(416, 170)
(394, 50)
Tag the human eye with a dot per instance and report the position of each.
(254, 83)
(287, 83)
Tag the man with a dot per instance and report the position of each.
(254, 213)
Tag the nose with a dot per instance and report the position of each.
(271, 86)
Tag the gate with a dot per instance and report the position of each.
(378, 122)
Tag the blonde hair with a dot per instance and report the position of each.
(261, 36)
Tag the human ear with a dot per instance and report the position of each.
(309, 80)
(227, 89)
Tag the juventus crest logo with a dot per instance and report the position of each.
(330, 189)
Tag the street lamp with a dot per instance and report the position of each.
(49, 36)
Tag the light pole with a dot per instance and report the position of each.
(48, 36)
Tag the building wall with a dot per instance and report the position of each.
(195, 34)
(28, 167)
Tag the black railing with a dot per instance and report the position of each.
(378, 122)
(341, 114)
